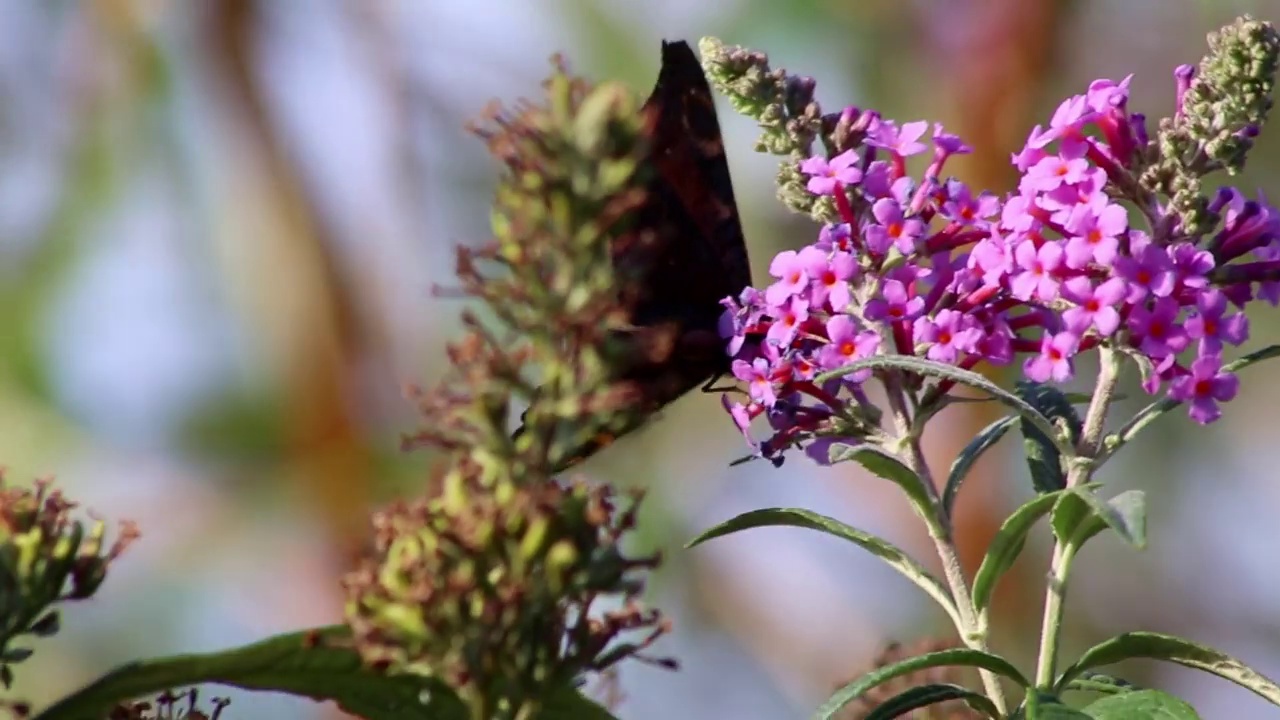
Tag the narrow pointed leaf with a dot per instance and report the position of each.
(926, 695)
(890, 468)
(1080, 514)
(1156, 646)
(1069, 513)
(1125, 513)
(1039, 705)
(931, 368)
(1099, 683)
(801, 518)
(1141, 705)
(1007, 545)
(301, 663)
(984, 441)
(1043, 457)
(957, 656)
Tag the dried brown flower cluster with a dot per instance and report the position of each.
(503, 581)
(496, 591)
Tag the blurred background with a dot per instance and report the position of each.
(220, 224)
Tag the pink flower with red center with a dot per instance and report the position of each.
(835, 238)
(962, 278)
(1054, 171)
(1096, 229)
(894, 229)
(1065, 125)
(947, 335)
(1147, 268)
(895, 303)
(757, 374)
(902, 142)
(1038, 278)
(1204, 387)
(847, 342)
(1191, 265)
(1211, 325)
(1095, 306)
(792, 279)
(790, 317)
(1054, 360)
(831, 275)
(826, 174)
(1156, 331)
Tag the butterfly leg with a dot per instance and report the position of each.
(710, 385)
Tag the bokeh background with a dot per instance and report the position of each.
(220, 222)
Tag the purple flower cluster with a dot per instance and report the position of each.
(1054, 269)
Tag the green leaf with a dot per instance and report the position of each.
(1042, 706)
(1173, 649)
(801, 518)
(984, 440)
(1069, 512)
(957, 656)
(1007, 545)
(1141, 705)
(884, 464)
(569, 704)
(1125, 513)
(926, 695)
(1057, 712)
(1081, 514)
(301, 663)
(930, 368)
(1099, 683)
(1043, 458)
(1150, 413)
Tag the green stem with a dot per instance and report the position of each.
(971, 627)
(1095, 419)
(1051, 627)
(1064, 552)
(973, 630)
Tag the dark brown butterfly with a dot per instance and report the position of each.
(696, 255)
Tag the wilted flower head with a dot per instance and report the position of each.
(565, 205)
(502, 581)
(502, 591)
(1056, 268)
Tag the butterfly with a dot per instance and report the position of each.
(695, 255)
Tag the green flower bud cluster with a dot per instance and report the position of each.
(1220, 113)
(790, 117)
(46, 558)
(494, 588)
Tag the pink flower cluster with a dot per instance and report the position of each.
(1054, 269)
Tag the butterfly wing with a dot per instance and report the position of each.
(693, 188)
(695, 255)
